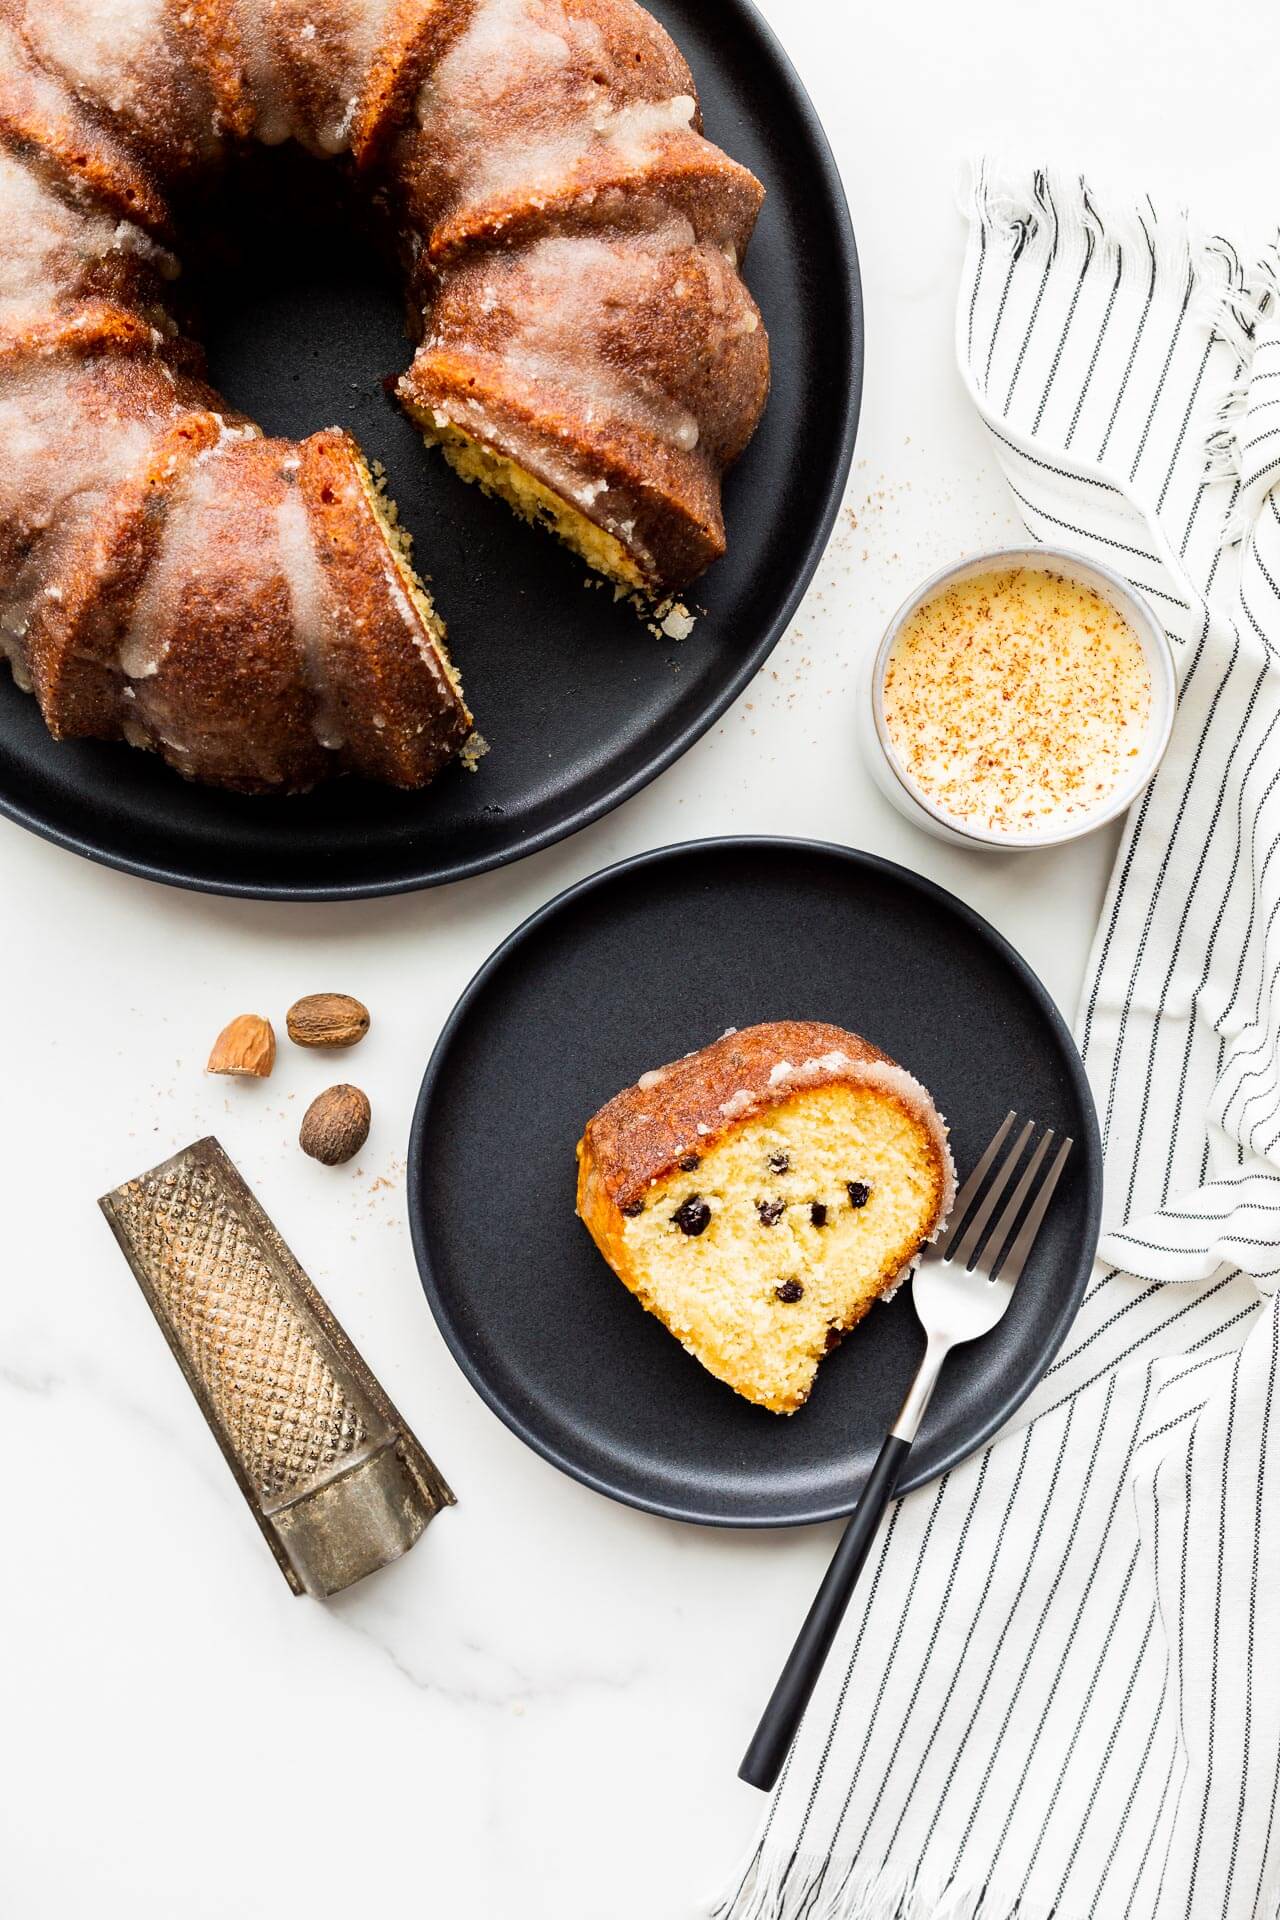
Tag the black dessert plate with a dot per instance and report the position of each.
(632, 968)
(580, 703)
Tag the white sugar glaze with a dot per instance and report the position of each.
(546, 73)
(48, 243)
(562, 298)
(826, 1068)
(60, 462)
(291, 65)
(313, 614)
(105, 48)
(630, 136)
(507, 44)
(210, 535)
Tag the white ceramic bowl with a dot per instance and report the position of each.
(887, 769)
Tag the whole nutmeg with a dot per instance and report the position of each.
(336, 1125)
(327, 1020)
(246, 1046)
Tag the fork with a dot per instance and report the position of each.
(961, 1288)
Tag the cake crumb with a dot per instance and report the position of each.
(675, 620)
(472, 751)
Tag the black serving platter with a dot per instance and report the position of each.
(630, 969)
(580, 703)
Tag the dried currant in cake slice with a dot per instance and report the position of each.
(859, 1192)
(818, 1213)
(789, 1291)
(770, 1211)
(692, 1216)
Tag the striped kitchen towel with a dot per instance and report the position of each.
(1058, 1689)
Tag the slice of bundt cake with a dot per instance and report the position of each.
(761, 1194)
(301, 640)
(304, 602)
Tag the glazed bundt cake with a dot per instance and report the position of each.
(761, 1194)
(246, 606)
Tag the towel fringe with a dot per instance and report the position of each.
(1054, 209)
(799, 1887)
(1051, 210)
(1237, 310)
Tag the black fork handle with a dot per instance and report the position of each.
(764, 1757)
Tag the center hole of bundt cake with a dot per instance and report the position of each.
(298, 303)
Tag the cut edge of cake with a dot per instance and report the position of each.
(400, 549)
(504, 478)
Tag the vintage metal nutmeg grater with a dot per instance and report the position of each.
(333, 1476)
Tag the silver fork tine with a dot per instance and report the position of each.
(987, 1258)
(1011, 1270)
(964, 1252)
(964, 1199)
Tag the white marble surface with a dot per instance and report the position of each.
(539, 1712)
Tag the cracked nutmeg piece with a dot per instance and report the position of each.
(333, 1476)
(246, 1046)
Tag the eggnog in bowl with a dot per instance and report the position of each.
(1021, 701)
